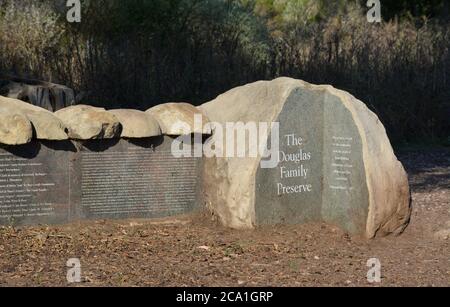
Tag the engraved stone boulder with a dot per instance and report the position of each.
(86, 122)
(46, 125)
(137, 124)
(171, 117)
(334, 162)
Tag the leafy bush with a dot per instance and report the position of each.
(30, 38)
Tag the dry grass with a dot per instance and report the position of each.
(194, 52)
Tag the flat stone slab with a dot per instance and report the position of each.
(58, 182)
(130, 179)
(35, 183)
(321, 171)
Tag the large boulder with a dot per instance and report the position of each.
(137, 124)
(334, 162)
(46, 125)
(179, 119)
(47, 95)
(15, 128)
(85, 122)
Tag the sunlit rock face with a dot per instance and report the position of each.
(136, 124)
(46, 126)
(86, 122)
(335, 162)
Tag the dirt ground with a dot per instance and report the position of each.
(194, 251)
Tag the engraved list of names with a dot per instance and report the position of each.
(131, 181)
(33, 188)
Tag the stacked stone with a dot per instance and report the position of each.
(21, 122)
(84, 162)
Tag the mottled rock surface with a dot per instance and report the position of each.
(46, 125)
(86, 122)
(136, 124)
(179, 119)
(336, 163)
(15, 128)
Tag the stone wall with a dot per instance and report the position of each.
(110, 164)
(334, 162)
